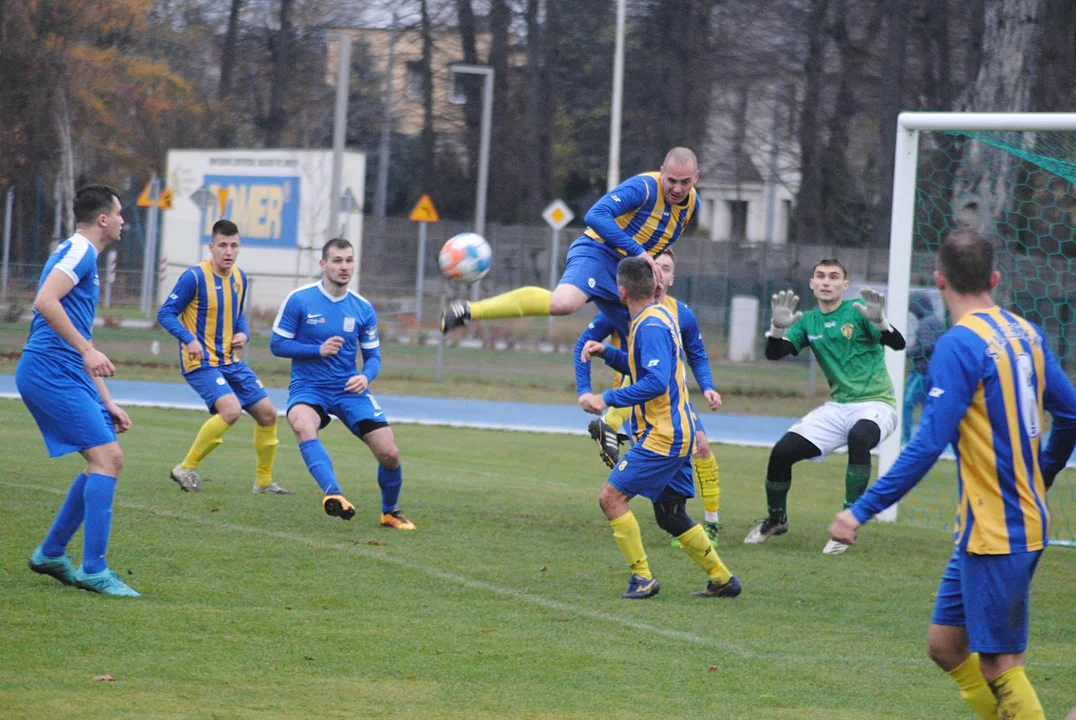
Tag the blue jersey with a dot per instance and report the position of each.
(634, 218)
(76, 257)
(690, 335)
(206, 307)
(661, 418)
(309, 317)
(991, 376)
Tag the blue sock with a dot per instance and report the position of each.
(98, 499)
(67, 520)
(320, 465)
(390, 482)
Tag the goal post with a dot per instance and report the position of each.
(992, 170)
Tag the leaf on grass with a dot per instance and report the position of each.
(542, 569)
(307, 657)
(487, 631)
(712, 668)
(410, 677)
(375, 543)
(104, 678)
(287, 607)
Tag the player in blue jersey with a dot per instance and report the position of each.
(322, 327)
(644, 215)
(204, 312)
(605, 429)
(658, 464)
(60, 377)
(991, 377)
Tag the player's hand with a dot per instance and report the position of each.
(331, 346)
(592, 403)
(713, 399)
(783, 313)
(357, 384)
(97, 364)
(195, 351)
(843, 528)
(239, 340)
(120, 420)
(592, 348)
(873, 308)
(657, 272)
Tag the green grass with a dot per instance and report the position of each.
(504, 604)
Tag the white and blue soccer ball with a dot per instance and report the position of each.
(465, 257)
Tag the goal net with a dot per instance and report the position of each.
(1011, 176)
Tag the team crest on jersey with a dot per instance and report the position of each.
(623, 464)
(847, 329)
(349, 324)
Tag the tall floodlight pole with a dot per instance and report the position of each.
(343, 83)
(483, 149)
(618, 98)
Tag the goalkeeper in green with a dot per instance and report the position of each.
(846, 338)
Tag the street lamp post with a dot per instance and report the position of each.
(483, 148)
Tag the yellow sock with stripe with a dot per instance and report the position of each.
(706, 472)
(630, 540)
(615, 417)
(265, 444)
(1017, 699)
(697, 546)
(524, 302)
(209, 437)
(974, 689)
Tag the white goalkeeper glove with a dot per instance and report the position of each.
(783, 313)
(873, 308)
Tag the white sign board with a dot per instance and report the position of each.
(557, 214)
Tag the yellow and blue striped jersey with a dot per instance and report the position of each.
(634, 217)
(991, 376)
(209, 308)
(661, 419)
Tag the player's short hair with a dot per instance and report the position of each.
(682, 156)
(830, 262)
(966, 259)
(637, 278)
(669, 252)
(226, 228)
(334, 244)
(93, 200)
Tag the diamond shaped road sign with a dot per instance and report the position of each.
(557, 214)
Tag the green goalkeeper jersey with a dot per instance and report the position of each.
(849, 351)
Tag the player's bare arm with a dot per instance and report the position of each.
(47, 302)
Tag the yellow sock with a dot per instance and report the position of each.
(706, 472)
(265, 444)
(1017, 699)
(209, 437)
(630, 539)
(524, 302)
(697, 546)
(973, 688)
(615, 417)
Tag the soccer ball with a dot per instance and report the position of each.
(465, 257)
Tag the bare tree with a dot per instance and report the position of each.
(225, 123)
(275, 120)
(429, 139)
(809, 202)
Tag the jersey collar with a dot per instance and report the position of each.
(321, 287)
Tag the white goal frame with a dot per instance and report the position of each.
(902, 227)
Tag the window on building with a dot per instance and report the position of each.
(457, 97)
(737, 220)
(416, 80)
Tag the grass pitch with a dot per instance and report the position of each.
(504, 604)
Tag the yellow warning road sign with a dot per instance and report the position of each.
(164, 202)
(424, 211)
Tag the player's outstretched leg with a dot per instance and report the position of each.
(789, 449)
(608, 443)
(522, 302)
(865, 434)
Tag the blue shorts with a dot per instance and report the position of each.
(643, 472)
(360, 413)
(213, 383)
(988, 596)
(591, 268)
(65, 403)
